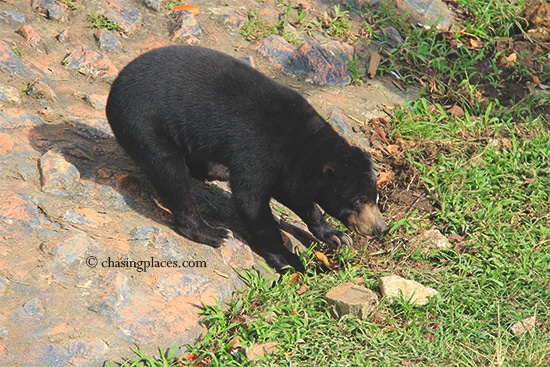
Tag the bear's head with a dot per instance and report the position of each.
(349, 192)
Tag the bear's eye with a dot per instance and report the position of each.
(360, 201)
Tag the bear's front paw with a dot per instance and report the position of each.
(204, 233)
(337, 239)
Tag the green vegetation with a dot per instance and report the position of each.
(485, 167)
(101, 22)
(70, 4)
(173, 3)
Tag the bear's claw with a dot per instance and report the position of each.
(346, 239)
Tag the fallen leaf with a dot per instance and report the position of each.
(359, 281)
(301, 290)
(384, 178)
(456, 237)
(188, 7)
(295, 278)
(456, 110)
(536, 80)
(258, 350)
(379, 129)
(474, 44)
(324, 260)
(392, 148)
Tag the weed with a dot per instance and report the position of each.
(173, 3)
(338, 23)
(255, 27)
(101, 22)
(17, 51)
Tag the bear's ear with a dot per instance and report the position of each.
(329, 169)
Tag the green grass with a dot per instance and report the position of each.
(487, 172)
(101, 22)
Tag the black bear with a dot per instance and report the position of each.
(182, 111)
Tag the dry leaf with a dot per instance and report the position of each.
(295, 278)
(392, 148)
(359, 281)
(258, 350)
(301, 290)
(384, 178)
(324, 260)
(188, 7)
(529, 181)
(536, 80)
(456, 110)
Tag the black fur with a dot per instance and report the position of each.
(183, 109)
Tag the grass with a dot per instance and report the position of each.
(487, 172)
(101, 22)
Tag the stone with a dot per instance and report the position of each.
(394, 286)
(92, 128)
(58, 176)
(31, 36)
(33, 309)
(90, 63)
(229, 17)
(524, 325)
(152, 4)
(11, 64)
(78, 353)
(13, 118)
(70, 248)
(276, 50)
(110, 293)
(320, 64)
(17, 208)
(6, 143)
(427, 12)
(127, 16)
(52, 9)
(41, 90)
(107, 41)
(12, 17)
(430, 239)
(96, 100)
(9, 94)
(352, 299)
(184, 25)
(86, 217)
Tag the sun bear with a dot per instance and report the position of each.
(183, 111)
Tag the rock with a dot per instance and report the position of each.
(31, 36)
(427, 12)
(70, 248)
(16, 208)
(430, 239)
(352, 299)
(107, 41)
(524, 325)
(276, 50)
(9, 94)
(6, 143)
(394, 286)
(11, 64)
(229, 17)
(57, 175)
(86, 217)
(33, 309)
(52, 9)
(153, 4)
(13, 118)
(12, 17)
(110, 293)
(41, 90)
(320, 64)
(77, 353)
(184, 25)
(122, 13)
(90, 63)
(96, 100)
(92, 128)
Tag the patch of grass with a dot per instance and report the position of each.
(171, 4)
(17, 51)
(70, 4)
(337, 23)
(256, 27)
(101, 22)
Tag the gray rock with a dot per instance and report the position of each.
(394, 286)
(153, 4)
(427, 12)
(431, 239)
(107, 41)
(12, 17)
(352, 299)
(122, 13)
(9, 94)
(53, 9)
(184, 25)
(59, 177)
(11, 64)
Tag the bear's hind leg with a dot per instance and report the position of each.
(164, 165)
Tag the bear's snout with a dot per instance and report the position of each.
(368, 221)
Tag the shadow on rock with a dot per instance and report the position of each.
(104, 173)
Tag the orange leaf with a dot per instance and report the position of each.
(295, 278)
(301, 290)
(456, 110)
(324, 259)
(189, 7)
(384, 178)
(392, 148)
